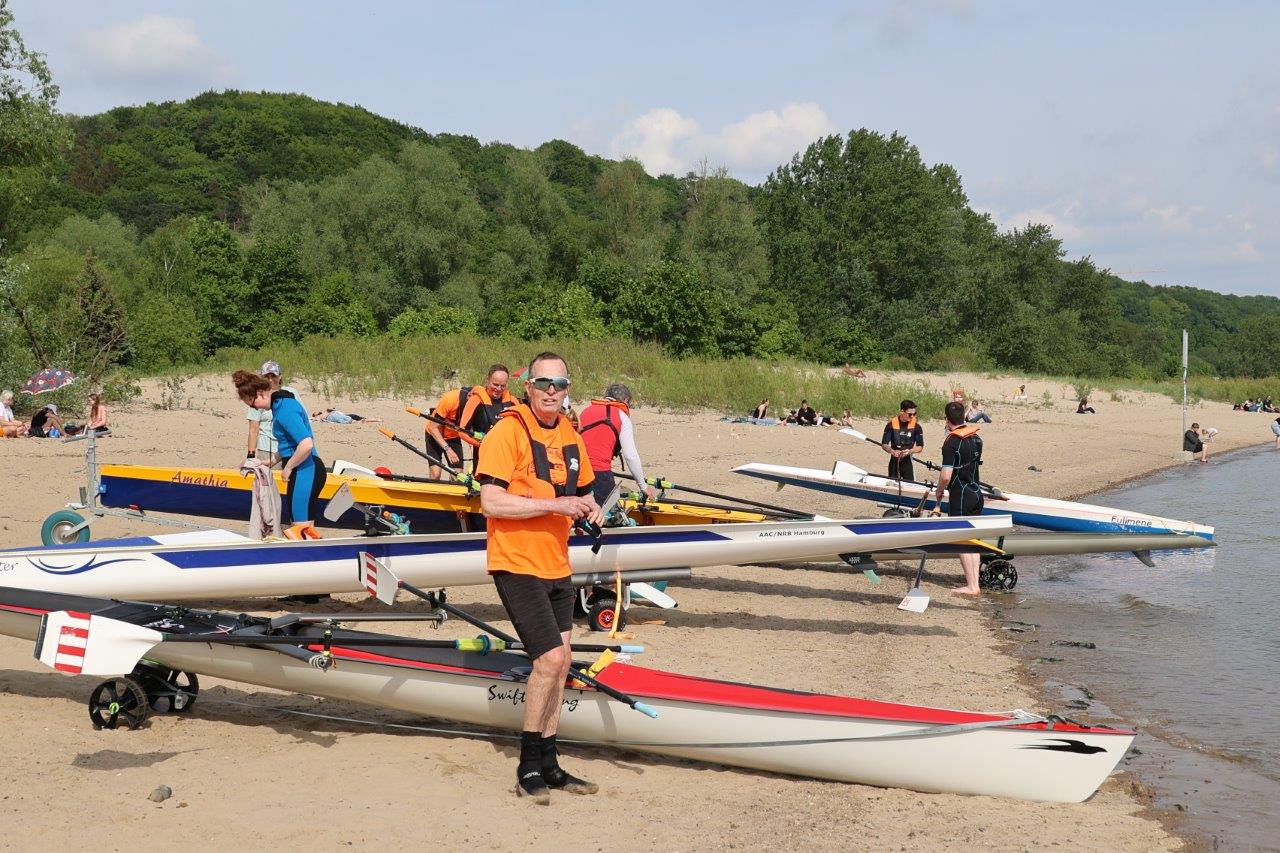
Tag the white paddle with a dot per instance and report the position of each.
(341, 501)
(916, 600)
(377, 579)
(82, 644)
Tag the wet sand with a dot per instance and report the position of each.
(243, 766)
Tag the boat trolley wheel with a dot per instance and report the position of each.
(56, 529)
(998, 575)
(170, 691)
(118, 702)
(604, 613)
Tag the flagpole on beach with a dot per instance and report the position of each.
(1184, 381)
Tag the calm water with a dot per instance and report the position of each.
(1188, 651)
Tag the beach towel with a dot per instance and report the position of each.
(264, 512)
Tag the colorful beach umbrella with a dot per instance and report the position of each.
(49, 379)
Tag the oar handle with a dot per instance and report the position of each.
(463, 478)
(444, 422)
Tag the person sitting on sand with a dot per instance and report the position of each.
(10, 426)
(761, 410)
(975, 414)
(1192, 443)
(1021, 396)
(1084, 408)
(805, 415)
(97, 415)
(46, 423)
(846, 419)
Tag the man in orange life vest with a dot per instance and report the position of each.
(474, 408)
(961, 457)
(535, 481)
(607, 431)
(903, 438)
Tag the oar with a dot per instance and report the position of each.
(343, 500)
(993, 492)
(384, 587)
(465, 479)
(916, 600)
(444, 422)
(663, 484)
(642, 500)
(86, 644)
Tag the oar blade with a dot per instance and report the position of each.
(377, 579)
(853, 432)
(653, 595)
(915, 601)
(78, 643)
(341, 501)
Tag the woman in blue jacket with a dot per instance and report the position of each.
(303, 470)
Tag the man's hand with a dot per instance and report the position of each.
(451, 455)
(650, 493)
(575, 507)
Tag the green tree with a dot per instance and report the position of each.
(218, 285)
(669, 304)
(436, 320)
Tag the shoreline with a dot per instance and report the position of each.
(816, 627)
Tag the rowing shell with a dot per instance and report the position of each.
(219, 564)
(428, 507)
(776, 730)
(1028, 510)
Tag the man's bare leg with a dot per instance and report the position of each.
(969, 562)
(555, 776)
(542, 695)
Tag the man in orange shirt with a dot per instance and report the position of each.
(474, 409)
(535, 482)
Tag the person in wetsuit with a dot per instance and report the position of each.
(301, 465)
(961, 457)
(903, 438)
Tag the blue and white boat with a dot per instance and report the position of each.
(1027, 510)
(220, 564)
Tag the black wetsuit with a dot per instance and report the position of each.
(906, 435)
(963, 456)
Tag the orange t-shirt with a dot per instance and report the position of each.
(530, 546)
(448, 408)
(478, 397)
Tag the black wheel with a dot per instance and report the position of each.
(998, 576)
(56, 529)
(169, 691)
(604, 613)
(118, 702)
(896, 512)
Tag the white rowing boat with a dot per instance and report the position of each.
(1043, 513)
(776, 730)
(220, 564)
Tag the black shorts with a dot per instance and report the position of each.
(540, 610)
(901, 469)
(965, 500)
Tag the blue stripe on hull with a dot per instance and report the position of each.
(1040, 521)
(210, 501)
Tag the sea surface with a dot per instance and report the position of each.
(1188, 651)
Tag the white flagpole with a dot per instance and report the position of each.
(1184, 381)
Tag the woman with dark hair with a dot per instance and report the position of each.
(302, 467)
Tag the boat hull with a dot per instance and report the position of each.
(780, 731)
(1027, 510)
(214, 564)
(428, 507)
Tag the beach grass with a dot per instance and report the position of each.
(418, 369)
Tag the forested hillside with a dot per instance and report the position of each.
(156, 235)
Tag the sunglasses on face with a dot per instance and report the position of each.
(547, 384)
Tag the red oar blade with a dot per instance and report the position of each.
(377, 579)
(83, 644)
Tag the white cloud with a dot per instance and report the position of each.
(666, 141)
(153, 48)
(1175, 218)
(1245, 250)
(1061, 223)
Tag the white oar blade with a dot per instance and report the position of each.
(653, 595)
(853, 432)
(916, 601)
(377, 579)
(82, 644)
(341, 501)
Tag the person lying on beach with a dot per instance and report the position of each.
(334, 416)
(10, 426)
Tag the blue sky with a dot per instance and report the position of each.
(1147, 134)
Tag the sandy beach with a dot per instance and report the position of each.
(247, 770)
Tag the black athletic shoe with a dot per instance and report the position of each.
(562, 781)
(532, 785)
